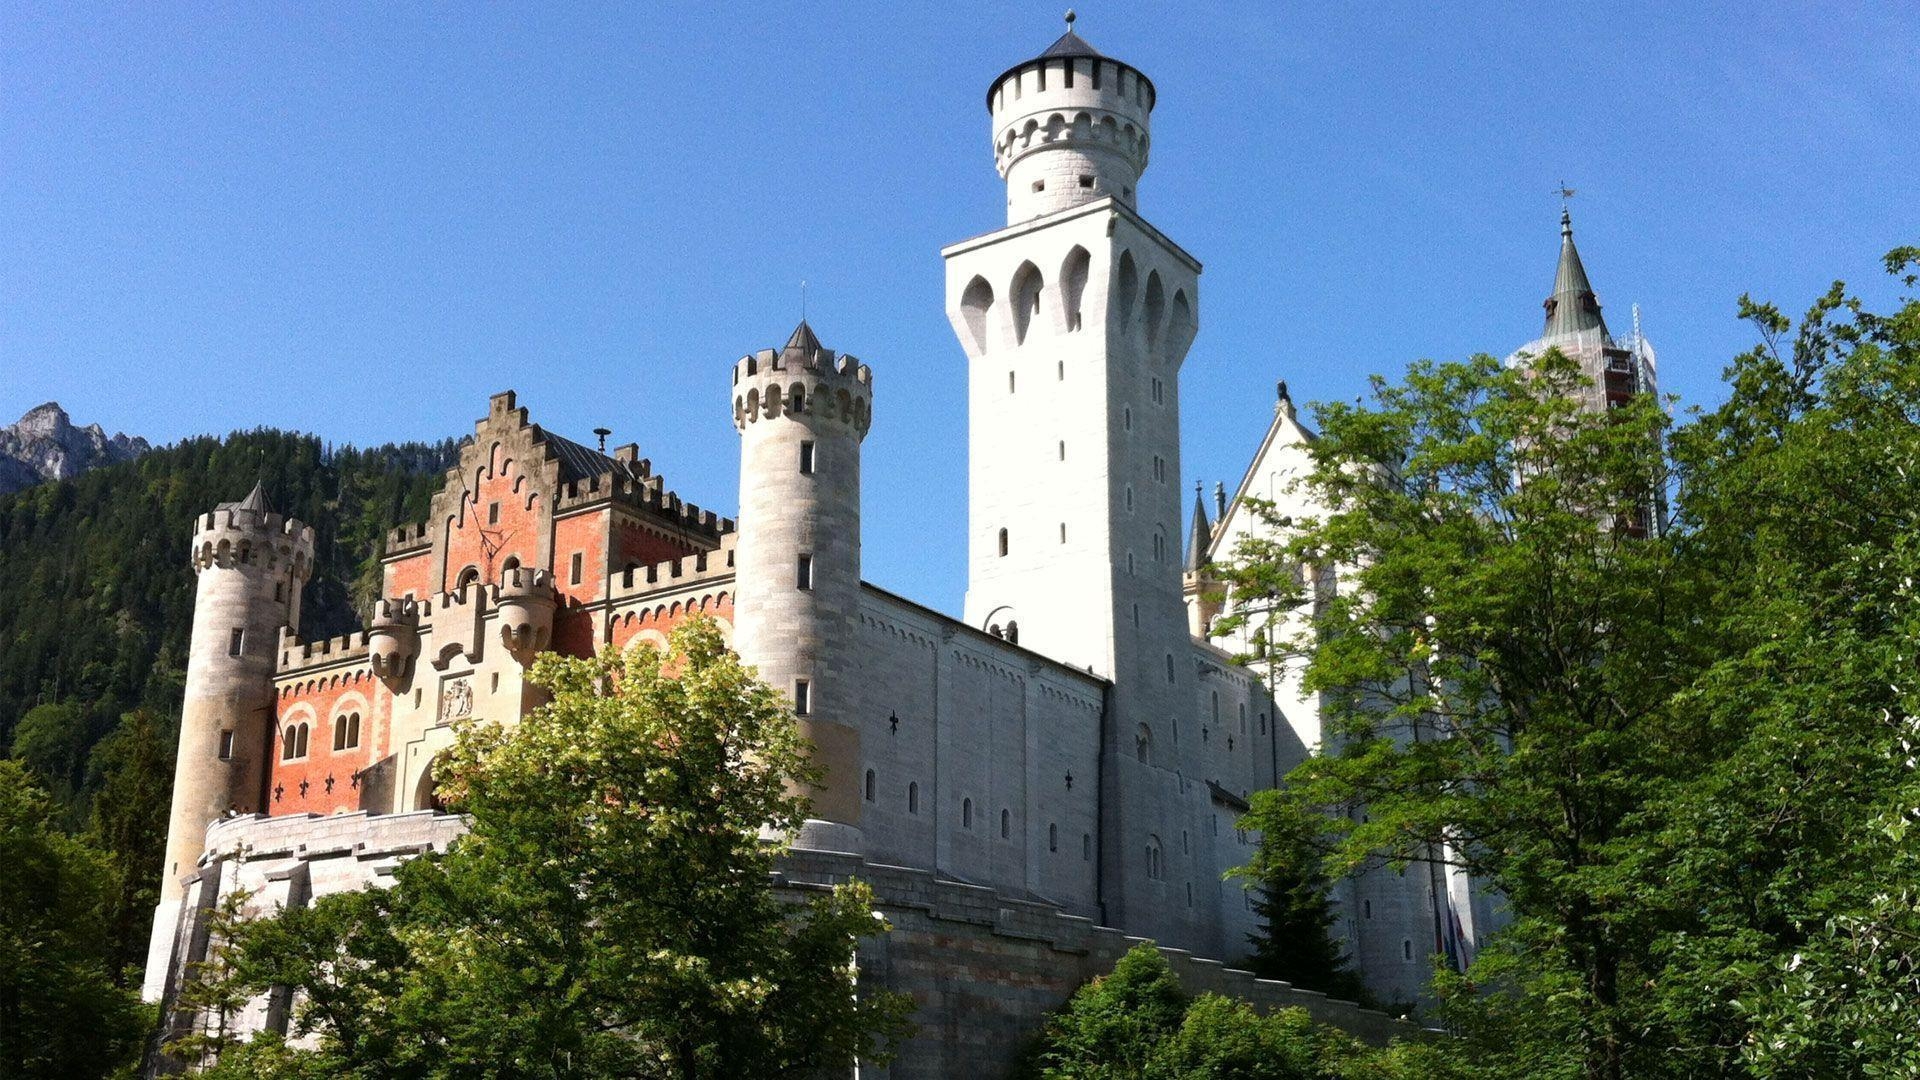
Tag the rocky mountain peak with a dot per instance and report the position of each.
(45, 445)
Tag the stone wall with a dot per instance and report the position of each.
(986, 969)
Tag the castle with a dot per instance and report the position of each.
(1026, 787)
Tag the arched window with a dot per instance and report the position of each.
(1143, 744)
(975, 302)
(1156, 861)
(1006, 824)
(966, 813)
(289, 740)
(1156, 309)
(508, 567)
(346, 731)
(1026, 299)
(1073, 285)
(467, 577)
(1126, 288)
(869, 785)
(913, 798)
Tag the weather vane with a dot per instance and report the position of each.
(803, 299)
(1565, 194)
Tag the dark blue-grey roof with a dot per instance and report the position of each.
(1070, 46)
(578, 462)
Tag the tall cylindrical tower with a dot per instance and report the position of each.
(1069, 127)
(251, 564)
(802, 412)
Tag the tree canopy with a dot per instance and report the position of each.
(1682, 760)
(611, 911)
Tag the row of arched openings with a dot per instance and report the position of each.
(1168, 325)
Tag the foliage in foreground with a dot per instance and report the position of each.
(1138, 1024)
(61, 1014)
(609, 913)
(1686, 761)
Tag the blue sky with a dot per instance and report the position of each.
(360, 220)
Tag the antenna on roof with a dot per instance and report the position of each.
(603, 433)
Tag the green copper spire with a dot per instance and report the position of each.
(1573, 307)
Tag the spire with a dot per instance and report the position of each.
(256, 500)
(1200, 535)
(803, 341)
(1573, 307)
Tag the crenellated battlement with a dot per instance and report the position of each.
(712, 565)
(803, 380)
(297, 655)
(407, 539)
(235, 536)
(645, 492)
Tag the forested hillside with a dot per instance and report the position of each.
(96, 595)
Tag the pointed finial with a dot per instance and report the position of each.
(1219, 500)
(1070, 17)
(1284, 396)
(603, 433)
(803, 299)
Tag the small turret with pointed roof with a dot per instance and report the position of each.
(1069, 127)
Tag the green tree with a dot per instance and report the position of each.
(1295, 942)
(611, 910)
(60, 1013)
(1112, 1027)
(1497, 663)
(1791, 851)
(51, 741)
(131, 775)
(215, 988)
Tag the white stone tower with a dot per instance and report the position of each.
(251, 564)
(802, 412)
(1075, 319)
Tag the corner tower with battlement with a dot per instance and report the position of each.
(802, 412)
(251, 564)
(1075, 318)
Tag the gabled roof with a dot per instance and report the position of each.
(1286, 427)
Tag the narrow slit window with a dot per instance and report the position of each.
(1009, 382)
(870, 785)
(236, 642)
(226, 746)
(913, 798)
(493, 513)
(966, 813)
(803, 573)
(802, 698)
(806, 457)
(1063, 532)
(1053, 836)
(575, 568)
(1006, 824)
(1003, 542)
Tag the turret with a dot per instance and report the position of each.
(802, 412)
(393, 639)
(1069, 127)
(1197, 584)
(251, 564)
(525, 601)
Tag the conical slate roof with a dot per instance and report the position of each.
(1071, 44)
(1573, 307)
(803, 341)
(256, 501)
(1199, 536)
